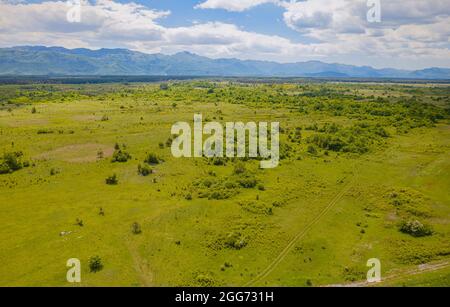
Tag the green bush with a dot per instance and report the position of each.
(235, 240)
(311, 150)
(4, 169)
(353, 274)
(416, 228)
(239, 168)
(218, 161)
(205, 280)
(144, 170)
(169, 142)
(248, 182)
(152, 159)
(120, 156)
(45, 131)
(112, 180)
(95, 264)
(10, 162)
(54, 171)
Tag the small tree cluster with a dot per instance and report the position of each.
(10, 162)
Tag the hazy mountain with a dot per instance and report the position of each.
(60, 61)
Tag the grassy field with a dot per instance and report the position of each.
(365, 173)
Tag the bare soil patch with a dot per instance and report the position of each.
(79, 153)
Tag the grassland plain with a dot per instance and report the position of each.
(360, 164)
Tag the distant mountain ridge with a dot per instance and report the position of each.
(44, 61)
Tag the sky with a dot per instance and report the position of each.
(411, 34)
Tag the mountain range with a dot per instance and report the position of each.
(45, 61)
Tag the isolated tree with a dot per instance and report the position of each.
(136, 228)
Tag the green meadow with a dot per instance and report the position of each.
(87, 170)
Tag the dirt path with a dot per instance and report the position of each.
(269, 269)
(141, 267)
(417, 270)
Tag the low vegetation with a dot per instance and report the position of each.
(363, 174)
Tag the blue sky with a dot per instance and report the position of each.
(409, 34)
(266, 18)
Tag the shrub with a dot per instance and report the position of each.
(248, 182)
(353, 274)
(312, 150)
(235, 240)
(4, 169)
(54, 172)
(136, 228)
(219, 194)
(204, 280)
(279, 203)
(164, 86)
(169, 142)
(416, 228)
(152, 159)
(144, 170)
(45, 131)
(120, 156)
(95, 264)
(112, 180)
(239, 168)
(218, 161)
(33, 110)
(10, 162)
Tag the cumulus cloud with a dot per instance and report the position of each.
(410, 32)
(232, 5)
(339, 15)
(107, 23)
(412, 29)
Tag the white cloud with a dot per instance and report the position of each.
(111, 24)
(232, 5)
(339, 15)
(337, 28)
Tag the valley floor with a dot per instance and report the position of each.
(313, 221)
